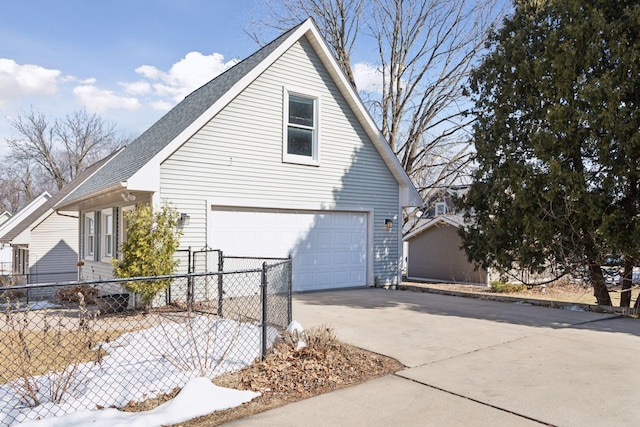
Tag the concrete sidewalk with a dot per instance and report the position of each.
(472, 362)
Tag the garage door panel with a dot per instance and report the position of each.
(324, 239)
(328, 248)
(341, 258)
(355, 277)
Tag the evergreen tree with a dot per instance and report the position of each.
(152, 240)
(556, 135)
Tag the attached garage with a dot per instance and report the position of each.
(329, 248)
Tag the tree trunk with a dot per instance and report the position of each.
(600, 290)
(627, 283)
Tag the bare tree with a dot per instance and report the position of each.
(425, 50)
(12, 189)
(338, 20)
(46, 153)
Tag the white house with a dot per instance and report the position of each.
(5, 256)
(45, 241)
(17, 261)
(4, 216)
(275, 156)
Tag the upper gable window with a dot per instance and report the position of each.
(301, 130)
(441, 208)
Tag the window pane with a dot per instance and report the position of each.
(91, 230)
(300, 111)
(300, 141)
(109, 224)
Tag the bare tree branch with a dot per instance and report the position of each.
(338, 20)
(47, 153)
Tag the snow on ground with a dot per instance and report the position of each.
(31, 306)
(144, 364)
(198, 397)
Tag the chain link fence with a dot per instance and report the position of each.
(86, 345)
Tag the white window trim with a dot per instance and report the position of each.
(314, 160)
(106, 251)
(89, 249)
(441, 208)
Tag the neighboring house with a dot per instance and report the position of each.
(4, 216)
(275, 156)
(18, 261)
(45, 242)
(434, 251)
(5, 255)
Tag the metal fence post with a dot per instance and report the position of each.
(289, 290)
(189, 281)
(220, 284)
(263, 297)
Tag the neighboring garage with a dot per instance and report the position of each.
(435, 253)
(329, 248)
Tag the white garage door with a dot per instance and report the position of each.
(329, 249)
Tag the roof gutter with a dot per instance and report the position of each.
(73, 203)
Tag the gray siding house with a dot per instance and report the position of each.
(45, 240)
(277, 156)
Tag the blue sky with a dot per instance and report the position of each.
(127, 60)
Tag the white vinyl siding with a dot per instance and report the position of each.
(53, 249)
(240, 160)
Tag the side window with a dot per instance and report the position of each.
(441, 208)
(89, 235)
(107, 233)
(301, 128)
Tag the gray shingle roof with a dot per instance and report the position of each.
(168, 127)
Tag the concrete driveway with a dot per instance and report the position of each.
(472, 362)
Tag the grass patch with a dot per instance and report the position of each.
(501, 287)
(48, 351)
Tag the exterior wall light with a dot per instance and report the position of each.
(183, 220)
(128, 197)
(388, 224)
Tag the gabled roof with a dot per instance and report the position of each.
(4, 216)
(456, 221)
(26, 210)
(34, 216)
(134, 166)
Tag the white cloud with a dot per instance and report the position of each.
(149, 72)
(161, 105)
(17, 80)
(100, 100)
(137, 88)
(368, 77)
(186, 75)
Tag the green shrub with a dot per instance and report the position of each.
(501, 287)
(152, 240)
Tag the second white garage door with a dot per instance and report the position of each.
(329, 249)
